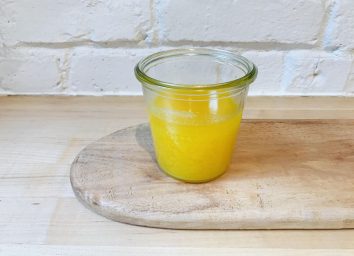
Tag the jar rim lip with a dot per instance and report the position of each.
(242, 81)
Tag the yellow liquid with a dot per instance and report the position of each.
(194, 140)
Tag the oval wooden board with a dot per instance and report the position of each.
(284, 175)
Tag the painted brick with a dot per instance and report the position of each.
(67, 21)
(270, 69)
(310, 72)
(350, 82)
(242, 21)
(29, 71)
(105, 71)
(340, 29)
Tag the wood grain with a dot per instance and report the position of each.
(39, 215)
(284, 175)
(147, 251)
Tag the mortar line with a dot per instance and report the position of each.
(260, 46)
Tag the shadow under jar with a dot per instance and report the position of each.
(195, 100)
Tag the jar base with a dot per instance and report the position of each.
(191, 181)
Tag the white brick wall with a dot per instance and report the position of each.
(303, 47)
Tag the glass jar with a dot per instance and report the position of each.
(195, 100)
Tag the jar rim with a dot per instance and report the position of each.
(249, 76)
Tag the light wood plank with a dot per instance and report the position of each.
(40, 136)
(148, 251)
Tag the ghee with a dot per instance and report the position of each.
(194, 140)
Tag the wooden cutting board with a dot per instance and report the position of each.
(284, 175)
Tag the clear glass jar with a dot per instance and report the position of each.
(195, 100)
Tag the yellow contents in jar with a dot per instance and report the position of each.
(194, 139)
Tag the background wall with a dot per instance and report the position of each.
(303, 47)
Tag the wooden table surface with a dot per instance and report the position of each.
(39, 215)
